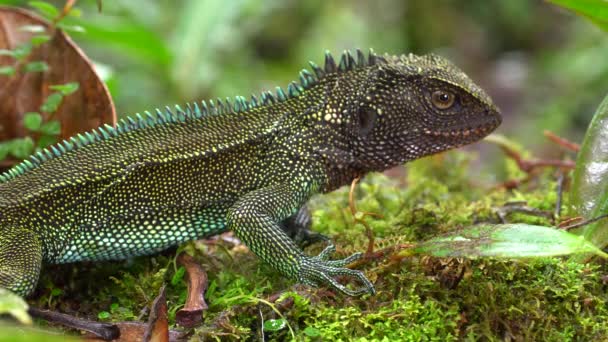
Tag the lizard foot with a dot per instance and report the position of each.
(317, 269)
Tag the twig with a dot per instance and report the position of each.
(585, 222)
(526, 165)
(560, 192)
(562, 142)
(568, 221)
(521, 207)
(133, 331)
(359, 216)
(104, 331)
(69, 4)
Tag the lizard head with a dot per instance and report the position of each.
(412, 106)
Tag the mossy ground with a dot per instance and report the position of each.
(418, 298)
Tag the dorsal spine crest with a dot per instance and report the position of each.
(195, 110)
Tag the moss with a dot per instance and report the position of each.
(419, 298)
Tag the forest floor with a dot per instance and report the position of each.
(418, 298)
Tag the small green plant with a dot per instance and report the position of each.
(43, 130)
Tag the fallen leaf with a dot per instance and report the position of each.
(191, 314)
(86, 108)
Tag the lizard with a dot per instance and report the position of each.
(161, 178)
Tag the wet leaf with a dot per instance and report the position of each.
(590, 180)
(14, 305)
(87, 107)
(515, 240)
(274, 324)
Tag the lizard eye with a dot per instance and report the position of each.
(442, 99)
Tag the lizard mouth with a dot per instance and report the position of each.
(463, 132)
(466, 131)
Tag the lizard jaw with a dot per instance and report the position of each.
(465, 132)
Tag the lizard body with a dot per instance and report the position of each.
(159, 179)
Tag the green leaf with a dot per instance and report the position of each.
(515, 240)
(22, 51)
(594, 10)
(37, 66)
(75, 12)
(590, 180)
(7, 70)
(67, 88)
(19, 52)
(12, 304)
(46, 141)
(52, 128)
(128, 37)
(45, 8)
(51, 103)
(312, 332)
(21, 148)
(102, 315)
(274, 324)
(32, 121)
(71, 28)
(40, 39)
(56, 292)
(178, 276)
(32, 28)
(5, 148)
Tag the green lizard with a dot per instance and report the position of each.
(159, 179)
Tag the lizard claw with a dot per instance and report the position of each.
(316, 270)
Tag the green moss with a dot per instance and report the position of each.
(419, 298)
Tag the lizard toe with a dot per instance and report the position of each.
(315, 270)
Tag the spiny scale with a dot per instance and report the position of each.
(193, 111)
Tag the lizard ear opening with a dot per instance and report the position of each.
(366, 120)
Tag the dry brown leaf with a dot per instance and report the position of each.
(158, 325)
(87, 108)
(191, 315)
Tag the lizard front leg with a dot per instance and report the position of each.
(255, 220)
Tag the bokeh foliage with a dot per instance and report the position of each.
(544, 66)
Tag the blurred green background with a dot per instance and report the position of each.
(544, 67)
